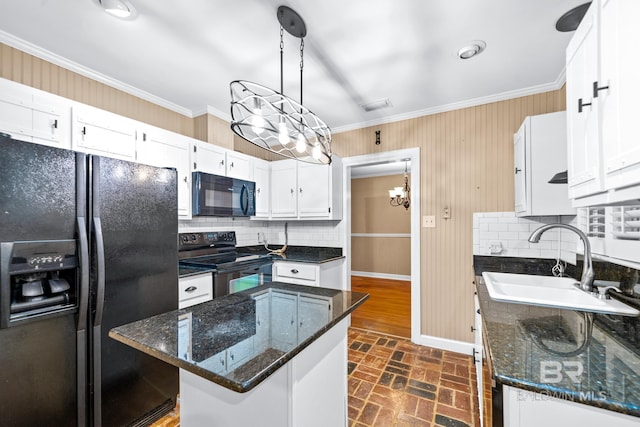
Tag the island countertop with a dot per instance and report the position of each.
(239, 340)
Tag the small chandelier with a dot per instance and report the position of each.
(275, 122)
(401, 196)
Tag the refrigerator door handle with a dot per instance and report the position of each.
(84, 273)
(97, 321)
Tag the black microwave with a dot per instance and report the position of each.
(215, 195)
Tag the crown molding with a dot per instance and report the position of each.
(31, 49)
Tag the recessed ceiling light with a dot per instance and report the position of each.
(119, 8)
(472, 49)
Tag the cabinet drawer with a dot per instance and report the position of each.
(294, 270)
(195, 290)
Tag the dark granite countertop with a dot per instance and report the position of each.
(309, 254)
(584, 357)
(254, 325)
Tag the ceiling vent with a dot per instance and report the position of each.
(376, 105)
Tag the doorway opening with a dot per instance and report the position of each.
(404, 289)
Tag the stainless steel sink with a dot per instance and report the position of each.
(560, 292)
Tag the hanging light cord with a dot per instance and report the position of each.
(301, 65)
(281, 61)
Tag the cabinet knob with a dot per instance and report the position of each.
(292, 321)
(185, 179)
(54, 125)
(301, 190)
(582, 104)
(294, 271)
(84, 130)
(518, 170)
(473, 329)
(597, 89)
(292, 191)
(222, 162)
(191, 289)
(258, 190)
(231, 164)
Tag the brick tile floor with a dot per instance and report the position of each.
(395, 383)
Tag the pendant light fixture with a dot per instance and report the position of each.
(272, 120)
(401, 196)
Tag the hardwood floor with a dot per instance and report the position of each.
(388, 309)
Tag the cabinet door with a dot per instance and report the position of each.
(209, 158)
(99, 132)
(51, 122)
(239, 166)
(239, 353)
(16, 117)
(583, 152)
(618, 91)
(314, 187)
(216, 363)
(313, 313)
(194, 290)
(520, 168)
(261, 175)
(284, 321)
(263, 319)
(284, 196)
(162, 148)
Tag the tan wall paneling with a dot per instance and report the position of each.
(389, 255)
(370, 208)
(466, 159)
(26, 69)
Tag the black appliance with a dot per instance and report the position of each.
(87, 243)
(232, 271)
(215, 195)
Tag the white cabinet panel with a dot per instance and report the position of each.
(262, 178)
(326, 274)
(161, 148)
(100, 132)
(314, 190)
(239, 166)
(195, 289)
(263, 319)
(311, 312)
(284, 307)
(51, 121)
(539, 153)
(208, 158)
(284, 199)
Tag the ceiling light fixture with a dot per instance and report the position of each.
(473, 49)
(117, 8)
(401, 196)
(275, 122)
(570, 20)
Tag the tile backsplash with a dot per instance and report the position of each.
(505, 234)
(300, 233)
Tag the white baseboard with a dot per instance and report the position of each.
(381, 275)
(446, 344)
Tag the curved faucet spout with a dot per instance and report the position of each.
(586, 282)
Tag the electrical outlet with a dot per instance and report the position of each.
(447, 213)
(428, 221)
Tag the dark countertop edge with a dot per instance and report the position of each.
(291, 258)
(247, 385)
(560, 393)
(195, 273)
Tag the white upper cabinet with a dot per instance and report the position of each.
(539, 153)
(306, 191)
(35, 116)
(284, 185)
(161, 148)
(602, 87)
(262, 178)
(208, 158)
(239, 166)
(100, 132)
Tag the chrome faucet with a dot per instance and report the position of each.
(586, 281)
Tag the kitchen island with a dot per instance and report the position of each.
(274, 355)
(556, 366)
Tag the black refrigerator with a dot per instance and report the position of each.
(87, 243)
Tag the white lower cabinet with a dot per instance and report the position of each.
(195, 289)
(284, 309)
(311, 312)
(478, 354)
(308, 391)
(262, 337)
(326, 274)
(523, 408)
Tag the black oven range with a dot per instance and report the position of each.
(216, 250)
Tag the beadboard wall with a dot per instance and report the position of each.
(466, 165)
(466, 159)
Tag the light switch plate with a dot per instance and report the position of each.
(428, 221)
